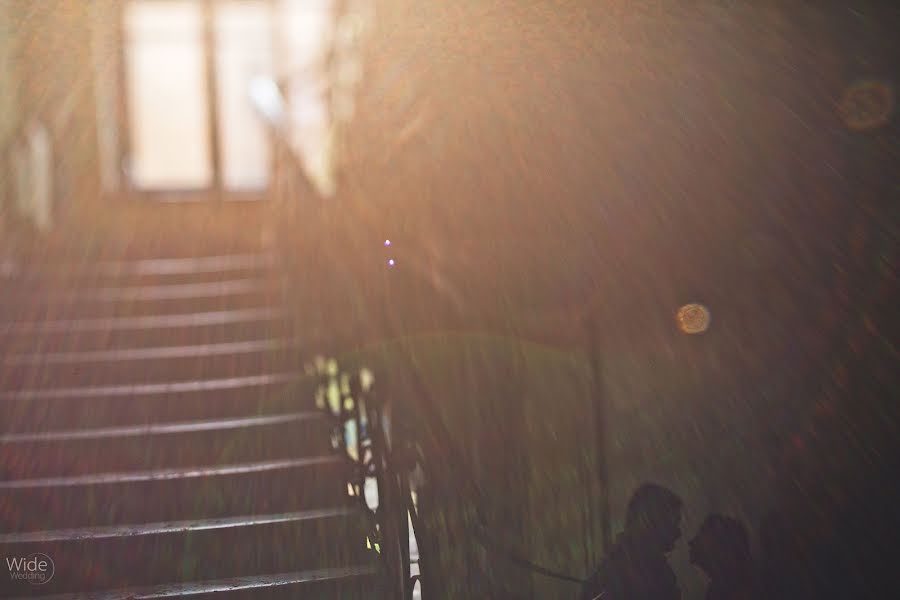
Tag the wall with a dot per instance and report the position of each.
(8, 108)
(47, 77)
(8, 83)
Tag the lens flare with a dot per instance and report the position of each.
(867, 105)
(693, 318)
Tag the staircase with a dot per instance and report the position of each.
(158, 438)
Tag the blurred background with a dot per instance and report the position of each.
(581, 245)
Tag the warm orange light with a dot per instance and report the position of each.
(693, 318)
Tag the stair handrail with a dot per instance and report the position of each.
(383, 456)
(267, 97)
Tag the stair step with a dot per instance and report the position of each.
(173, 445)
(128, 301)
(203, 492)
(144, 354)
(136, 272)
(148, 365)
(146, 529)
(25, 414)
(135, 293)
(186, 266)
(68, 282)
(187, 551)
(164, 474)
(150, 429)
(187, 328)
(128, 390)
(350, 583)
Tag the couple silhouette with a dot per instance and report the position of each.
(636, 567)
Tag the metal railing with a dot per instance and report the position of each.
(384, 456)
(383, 459)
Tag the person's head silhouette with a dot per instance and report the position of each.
(654, 517)
(721, 548)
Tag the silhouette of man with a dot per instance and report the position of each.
(721, 549)
(636, 567)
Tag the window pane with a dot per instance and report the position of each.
(306, 29)
(167, 95)
(243, 51)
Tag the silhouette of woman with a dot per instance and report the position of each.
(721, 549)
